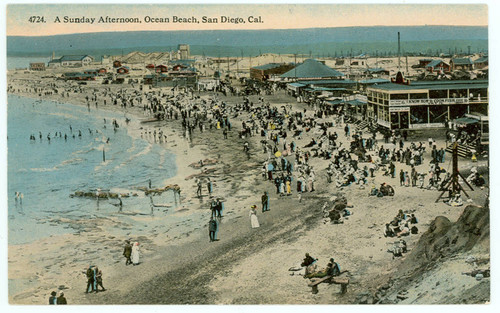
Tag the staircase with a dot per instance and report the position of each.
(362, 125)
(464, 150)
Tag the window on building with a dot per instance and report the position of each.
(399, 96)
(418, 95)
(457, 110)
(418, 114)
(458, 93)
(438, 94)
(438, 113)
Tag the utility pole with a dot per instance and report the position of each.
(407, 72)
(399, 53)
(295, 68)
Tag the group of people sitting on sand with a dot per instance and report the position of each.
(403, 224)
(309, 268)
(383, 191)
(336, 212)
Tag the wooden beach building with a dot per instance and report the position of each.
(438, 66)
(461, 64)
(71, 61)
(37, 66)
(425, 104)
(266, 71)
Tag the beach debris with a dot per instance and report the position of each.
(159, 191)
(101, 194)
(202, 163)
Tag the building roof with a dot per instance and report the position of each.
(482, 60)
(186, 62)
(436, 85)
(374, 81)
(465, 121)
(312, 69)
(462, 61)
(327, 89)
(73, 57)
(335, 102)
(355, 102)
(297, 85)
(328, 82)
(435, 63)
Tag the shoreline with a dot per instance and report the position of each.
(232, 269)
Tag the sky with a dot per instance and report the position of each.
(281, 16)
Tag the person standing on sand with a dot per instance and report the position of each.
(209, 186)
(98, 278)
(53, 298)
(61, 299)
(198, 191)
(135, 253)
(254, 221)
(265, 202)
(127, 252)
(90, 279)
(212, 229)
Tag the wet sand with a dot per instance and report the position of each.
(246, 265)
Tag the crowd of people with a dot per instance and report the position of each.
(285, 162)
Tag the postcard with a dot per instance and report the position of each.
(247, 154)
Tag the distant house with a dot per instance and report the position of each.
(38, 66)
(422, 63)
(358, 62)
(123, 70)
(377, 71)
(72, 61)
(182, 71)
(461, 64)
(438, 66)
(481, 63)
(264, 72)
(161, 68)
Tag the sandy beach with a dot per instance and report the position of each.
(245, 266)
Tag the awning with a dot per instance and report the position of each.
(334, 102)
(296, 85)
(465, 121)
(355, 103)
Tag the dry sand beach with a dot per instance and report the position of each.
(247, 266)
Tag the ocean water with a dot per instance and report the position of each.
(24, 62)
(48, 172)
(338, 41)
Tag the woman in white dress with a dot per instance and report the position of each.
(253, 217)
(135, 253)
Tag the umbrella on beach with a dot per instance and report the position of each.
(277, 154)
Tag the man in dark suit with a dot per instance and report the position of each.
(61, 299)
(127, 252)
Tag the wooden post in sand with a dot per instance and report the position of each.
(454, 183)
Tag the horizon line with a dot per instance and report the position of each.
(263, 29)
